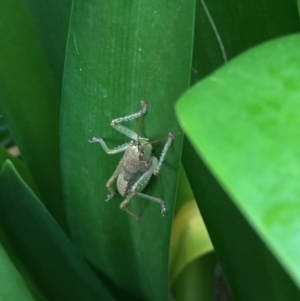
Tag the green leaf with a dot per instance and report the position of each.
(12, 286)
(30, 100)
(109, 64)
(57, 267)
(248, 137)
(241, 27)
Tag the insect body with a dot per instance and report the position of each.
(137, 164)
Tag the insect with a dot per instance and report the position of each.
(137, 165)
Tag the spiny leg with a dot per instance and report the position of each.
(124, 130)
(115, 150)
(124, 204)
(154, 199)
(158, 164)
(139, 186)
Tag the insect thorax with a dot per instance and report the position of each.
(136, 158)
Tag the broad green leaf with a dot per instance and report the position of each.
(247, 135)
(189, 239)
(30, 100)
(56, 265)
(112, 63)
(240, 26)
(12, 286)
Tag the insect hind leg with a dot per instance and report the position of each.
(116, 123)
(145, 196)
(154, 199)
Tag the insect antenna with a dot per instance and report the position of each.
(161, 139)
(164, 43)
(155, 66)
(161, 51)
(140, 123)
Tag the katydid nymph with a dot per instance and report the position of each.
(137, 165)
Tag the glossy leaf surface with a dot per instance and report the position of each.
(248, 137)
(240, 25)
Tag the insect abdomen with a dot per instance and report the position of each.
(132, 171)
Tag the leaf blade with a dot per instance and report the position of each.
(257, 117)
(104, 83)
(17, 289)
(55, 264)
(30, 100)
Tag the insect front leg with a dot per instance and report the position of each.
(157, 164)
(112, 151)
(124, 130)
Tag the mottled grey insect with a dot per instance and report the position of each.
(137, 165)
